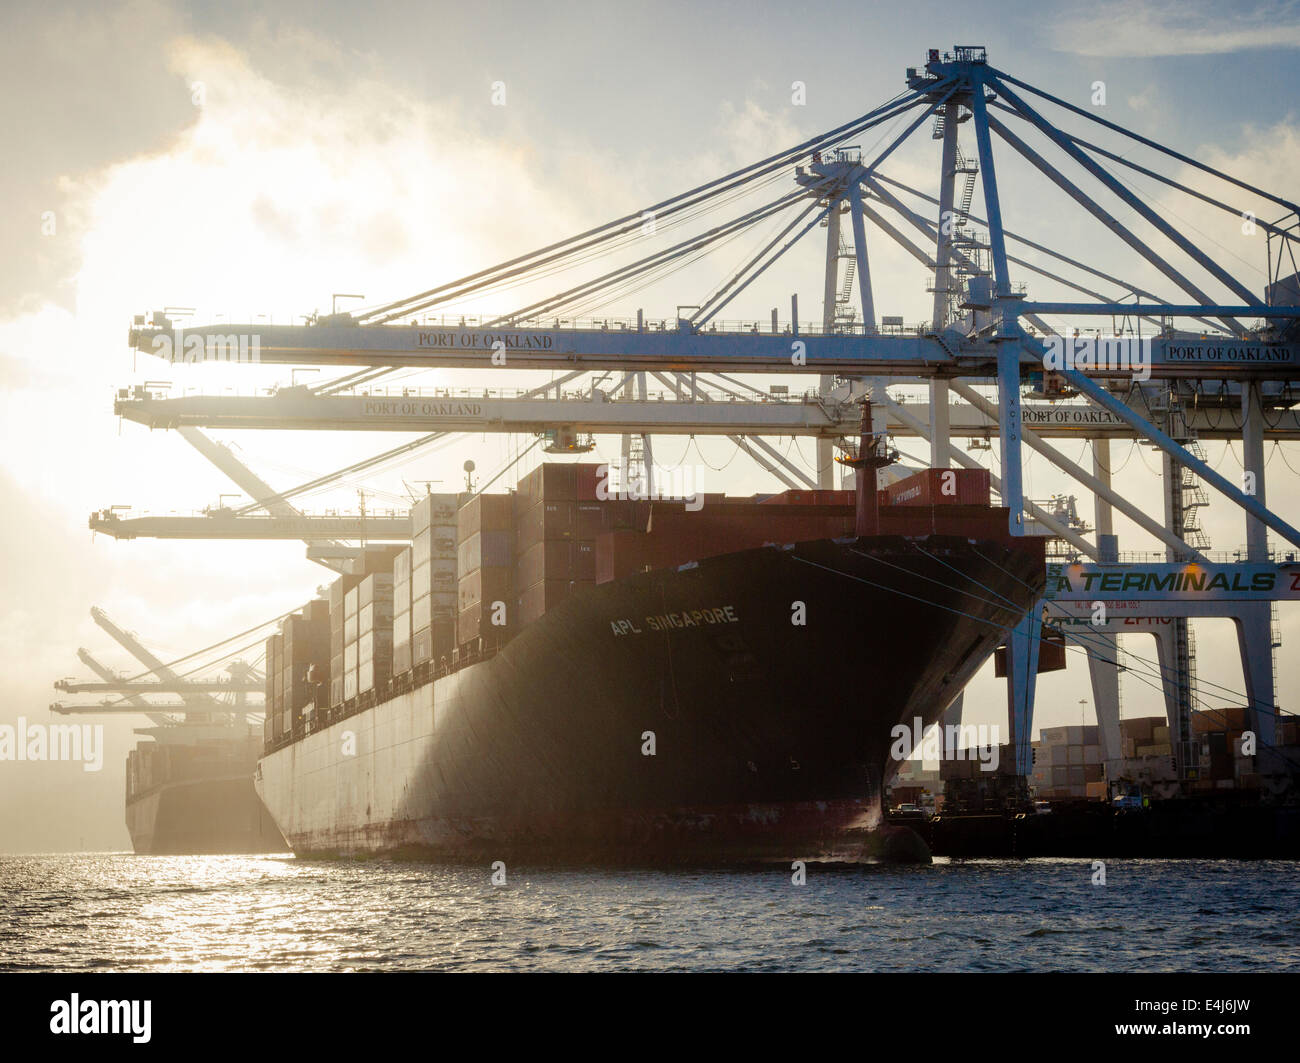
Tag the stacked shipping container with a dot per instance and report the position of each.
(374, 632)
(485, 534)
(402, 612)
(297, 665)
(433, 579)
(1068, 763)
(557, 519)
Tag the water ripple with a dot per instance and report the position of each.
(120, 912)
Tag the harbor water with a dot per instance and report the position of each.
(120, 912)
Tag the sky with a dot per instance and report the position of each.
(247, 162)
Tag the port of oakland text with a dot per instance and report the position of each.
(666, 621)
(482, 341)
(413, 407)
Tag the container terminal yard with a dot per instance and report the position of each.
(484, 672)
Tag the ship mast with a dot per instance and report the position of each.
(873, 454)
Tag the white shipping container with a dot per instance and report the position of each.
(421, 545)
(444, 542)
(402, 629)
(421, 580)
(402, 567)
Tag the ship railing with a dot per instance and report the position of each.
(420, 674)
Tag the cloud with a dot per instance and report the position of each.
(85, 89)
(1136, 29)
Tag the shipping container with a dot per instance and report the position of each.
(941, 487)
(444, 542)
(476, 621)
(568, 520)
(402, 658)
(484, 585)
(434, 509)
(491, 549)
(373, 559)
(338, 593)
(794, 498)
(556, 559)
(443, 633)
(374, 646)
(421, 548)
(273, 669)
(432, 577)
(421, 645)
(421, 613)
(484, 513)
(377, 587)
(372, 675)
(402, 567)
(543, 596)
(563, 482)
(551, 481)
(377, 616)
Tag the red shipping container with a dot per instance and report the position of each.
(484, 513)
(568, 520)
(476, 622)
(791, 498)
(560, 482)
(556, 559)
(483, 585)
(622, 553)
(941, 487)
(588, 477)
(550, 482)
(443, 634)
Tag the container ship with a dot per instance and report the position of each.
(190, 790)
(546, 675)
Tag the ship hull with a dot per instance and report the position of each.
(738, 709)
(202, 816)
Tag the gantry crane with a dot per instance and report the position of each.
(1214, 337)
